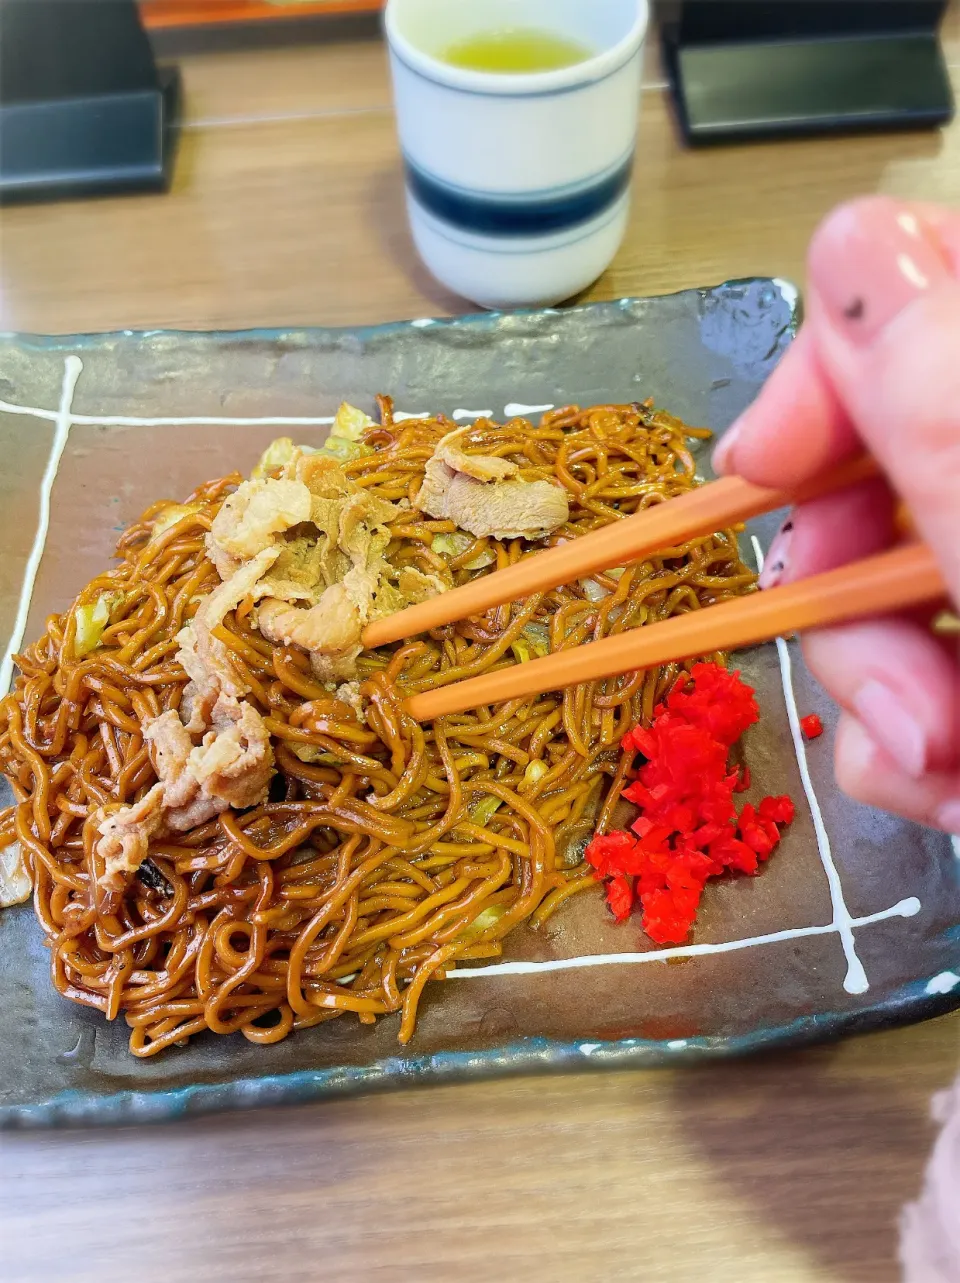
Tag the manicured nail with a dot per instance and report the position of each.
(869, 261)
(723, 454)
(948, 818)
(776, 562)
(892, 724)
(856, 755)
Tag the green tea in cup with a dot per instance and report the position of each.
(516, 50)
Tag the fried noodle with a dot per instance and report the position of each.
(401, 848)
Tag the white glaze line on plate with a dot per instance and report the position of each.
(132, 421)
(512, 411)
(168, 421)
(945, 982)
(515, 410)
(904, 909)
(71, 372)
(855, 980)
(956, 846)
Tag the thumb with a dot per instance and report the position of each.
(884, 315)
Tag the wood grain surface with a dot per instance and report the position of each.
(287, 209)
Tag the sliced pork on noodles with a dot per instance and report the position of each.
(330, 575)
(484, 495)
(305, 549)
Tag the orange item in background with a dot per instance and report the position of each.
(159, 15)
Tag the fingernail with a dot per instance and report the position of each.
(948, 817)
(856, 755)
(723, 454)
(869, 261)
(777, 560)
(892, 725)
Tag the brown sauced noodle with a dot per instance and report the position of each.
(405, 848)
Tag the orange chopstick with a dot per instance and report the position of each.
(904, 577)
(700, 512)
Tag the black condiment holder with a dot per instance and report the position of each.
(84, 110)
(742, 69)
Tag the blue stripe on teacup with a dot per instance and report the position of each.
(534, 214)
(527, 246)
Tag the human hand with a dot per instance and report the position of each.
(876, 366)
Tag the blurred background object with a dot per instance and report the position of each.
(781, 68)
(287, 203)
(83, 107)
(160, 15)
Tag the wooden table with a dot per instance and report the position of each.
(287, 210)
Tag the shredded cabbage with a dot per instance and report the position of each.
(489, 917)
(594, 591)
(534, 773)
(15, 884)
(344, 442)
(91, 620)
(456, 544)
(484, 810)
(312, 754)
(276, 456)
(450, 545)
(533, 643)
(169, 516)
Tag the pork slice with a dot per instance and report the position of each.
(363, 533)
(235, 764)
(349, 693)
(509, 509)
(333, 625)
(331, 670)
(226, 564)
(232, 767)
(322, 476)
(482, 467)
(196, 706)
(299, 573)
(124, 837)
(171, 747)
(256, 512)
(241, 584)
(205, 659)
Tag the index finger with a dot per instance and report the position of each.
(800, 424)
(796, 427)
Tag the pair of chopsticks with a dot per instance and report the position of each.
(896, 580)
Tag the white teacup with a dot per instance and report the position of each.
(518, 185)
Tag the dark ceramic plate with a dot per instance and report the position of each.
(849, 928)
